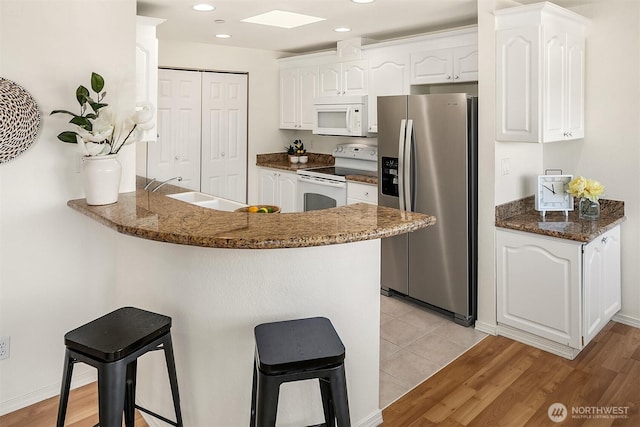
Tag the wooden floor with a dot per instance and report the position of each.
(499, 382)
(81, 412)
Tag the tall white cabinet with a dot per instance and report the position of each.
(556, 294)
(540, 72)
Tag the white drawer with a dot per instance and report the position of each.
(362, 193)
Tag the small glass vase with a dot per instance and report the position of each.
(588, 209)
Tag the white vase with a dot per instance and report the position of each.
(101, 179)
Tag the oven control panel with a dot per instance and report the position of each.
(356, 151)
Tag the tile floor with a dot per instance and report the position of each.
(415, 343)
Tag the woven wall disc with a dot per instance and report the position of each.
(20, 120)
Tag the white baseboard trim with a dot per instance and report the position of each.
(537, 342)
(372, 420)
(44, 393)
(627, 320)
(487, 328)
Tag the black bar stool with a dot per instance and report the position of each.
(112, 345)
(295, 350)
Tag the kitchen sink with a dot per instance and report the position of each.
(208, 201)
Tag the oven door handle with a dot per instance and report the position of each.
(320, 181)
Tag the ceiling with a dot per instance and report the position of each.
(380, 20)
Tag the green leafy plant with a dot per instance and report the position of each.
(98, 131)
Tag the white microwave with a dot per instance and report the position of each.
(340, 115)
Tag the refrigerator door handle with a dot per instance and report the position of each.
(403, 127)
(406, 178)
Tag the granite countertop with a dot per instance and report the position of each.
(281, 161)
(154, 216)
(521, 215)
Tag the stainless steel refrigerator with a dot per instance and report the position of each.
(427, 156)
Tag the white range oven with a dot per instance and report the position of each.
(326, 187)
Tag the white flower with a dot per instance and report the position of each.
(143, 113)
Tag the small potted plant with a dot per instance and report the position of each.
(300, 151)
(291, 152)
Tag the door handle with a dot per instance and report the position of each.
(403, 128)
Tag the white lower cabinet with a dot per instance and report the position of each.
(556, 294)
(362, 193)
(279, 188)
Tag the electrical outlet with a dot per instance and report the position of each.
(5, 346)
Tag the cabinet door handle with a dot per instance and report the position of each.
(457, 77)
(448, 77)
(177, 157)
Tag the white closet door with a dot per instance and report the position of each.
(224, 135)
(177, 150)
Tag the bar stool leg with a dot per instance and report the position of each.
(327, 402)
(130, 394)
(340, 399)
(173, 377)
(67, 372)
(267, 400)
(112, 379)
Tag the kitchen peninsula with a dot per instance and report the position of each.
(210, 272)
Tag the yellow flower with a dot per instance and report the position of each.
(583, 187)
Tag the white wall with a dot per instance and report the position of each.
(53, 278)
(610, 151)
(264, 93)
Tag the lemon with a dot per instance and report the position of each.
(252, 209)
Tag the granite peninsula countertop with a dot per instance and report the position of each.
(521, 215)
(154, 216)
(281, 161)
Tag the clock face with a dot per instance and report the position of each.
(551, 194)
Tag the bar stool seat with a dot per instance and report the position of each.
(295, 350)
(112, 344)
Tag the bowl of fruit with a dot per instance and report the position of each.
(259, 209)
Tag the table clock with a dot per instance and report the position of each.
(551, 194)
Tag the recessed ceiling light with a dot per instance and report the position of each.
(223, 36)
(282, 19)
(203, 7)
(363, 1)
(342, 30)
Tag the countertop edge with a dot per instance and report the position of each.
(108, 216)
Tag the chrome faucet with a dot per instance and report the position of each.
(176, 178)
(146, 187)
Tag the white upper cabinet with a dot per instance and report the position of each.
(374, 69)
(540, 67)
(388, 75)
(298, 89)
(344, 78)
(450, 65)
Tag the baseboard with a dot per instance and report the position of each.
(372, 420)
(537, 342)
(627, 320)
(487, 328)
(79, 380)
